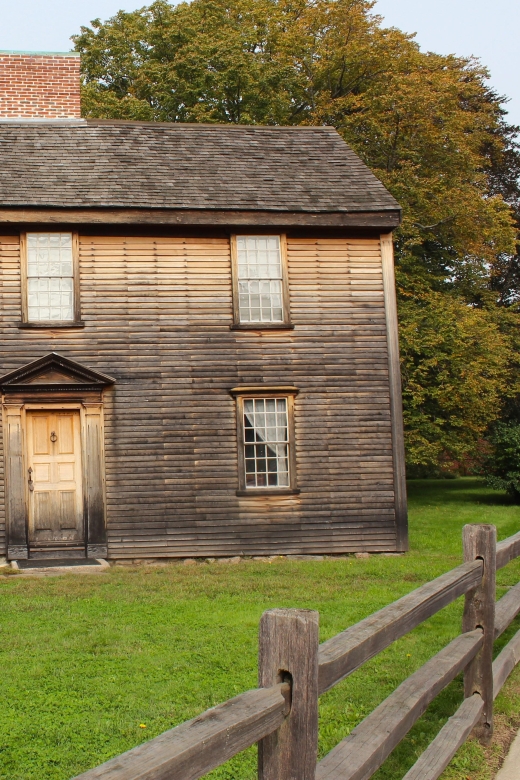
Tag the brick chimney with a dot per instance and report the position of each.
(39, 85)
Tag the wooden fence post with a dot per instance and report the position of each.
(288, 651)
(479, 612)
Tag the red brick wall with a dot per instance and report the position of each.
(39, 86)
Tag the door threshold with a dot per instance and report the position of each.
(57, 553)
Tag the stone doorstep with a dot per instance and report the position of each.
(99, 567)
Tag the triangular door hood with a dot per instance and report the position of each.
(54, 372)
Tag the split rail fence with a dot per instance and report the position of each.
(282, 713)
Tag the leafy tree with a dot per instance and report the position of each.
(428, 125)
(455, 360)
(502, 466)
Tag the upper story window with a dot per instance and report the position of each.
(49, 271)
(260, 281)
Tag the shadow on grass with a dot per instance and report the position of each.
(462, 490)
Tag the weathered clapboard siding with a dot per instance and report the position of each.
(10, 313)
(158, 312)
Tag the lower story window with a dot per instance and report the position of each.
(265, 430)
(266, 442)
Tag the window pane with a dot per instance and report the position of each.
(260, 278)
(50, 277)
(266, 452)
(260, 301)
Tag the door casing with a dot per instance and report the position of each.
(93, 472)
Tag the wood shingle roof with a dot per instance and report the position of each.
(105, 164)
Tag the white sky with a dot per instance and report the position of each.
(488, 30)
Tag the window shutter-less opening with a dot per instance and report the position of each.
(50, 271)
(266, 442)
(265, 433)
(260, 283)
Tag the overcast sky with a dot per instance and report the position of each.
(488, 30)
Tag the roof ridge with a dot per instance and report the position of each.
(206, 125)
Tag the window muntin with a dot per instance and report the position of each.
(50, 277)
(260, 279)
(266, 443)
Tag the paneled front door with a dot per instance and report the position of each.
(55, 478)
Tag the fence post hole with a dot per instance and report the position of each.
(288, 651)
(479, 612)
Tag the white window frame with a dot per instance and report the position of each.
(238, 321)
(24, 256)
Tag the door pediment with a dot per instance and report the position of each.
(54, 372)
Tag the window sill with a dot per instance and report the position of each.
(50, 325)
(269, 492)
(262, 326)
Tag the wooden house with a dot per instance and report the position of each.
(198, 336)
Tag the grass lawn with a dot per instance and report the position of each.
(88, 660)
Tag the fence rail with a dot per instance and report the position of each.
(508, 550)
(196, 747)
(346, 652)
(361, 753)
(281, 715)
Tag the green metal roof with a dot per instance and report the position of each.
(53, 53)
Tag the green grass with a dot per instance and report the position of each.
(86, 660)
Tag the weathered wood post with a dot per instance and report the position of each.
(479, 612)
(288, 651)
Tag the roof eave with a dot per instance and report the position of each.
(384, 218)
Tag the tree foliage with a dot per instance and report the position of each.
(502, 466)
(455, 361)
(428, 125)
